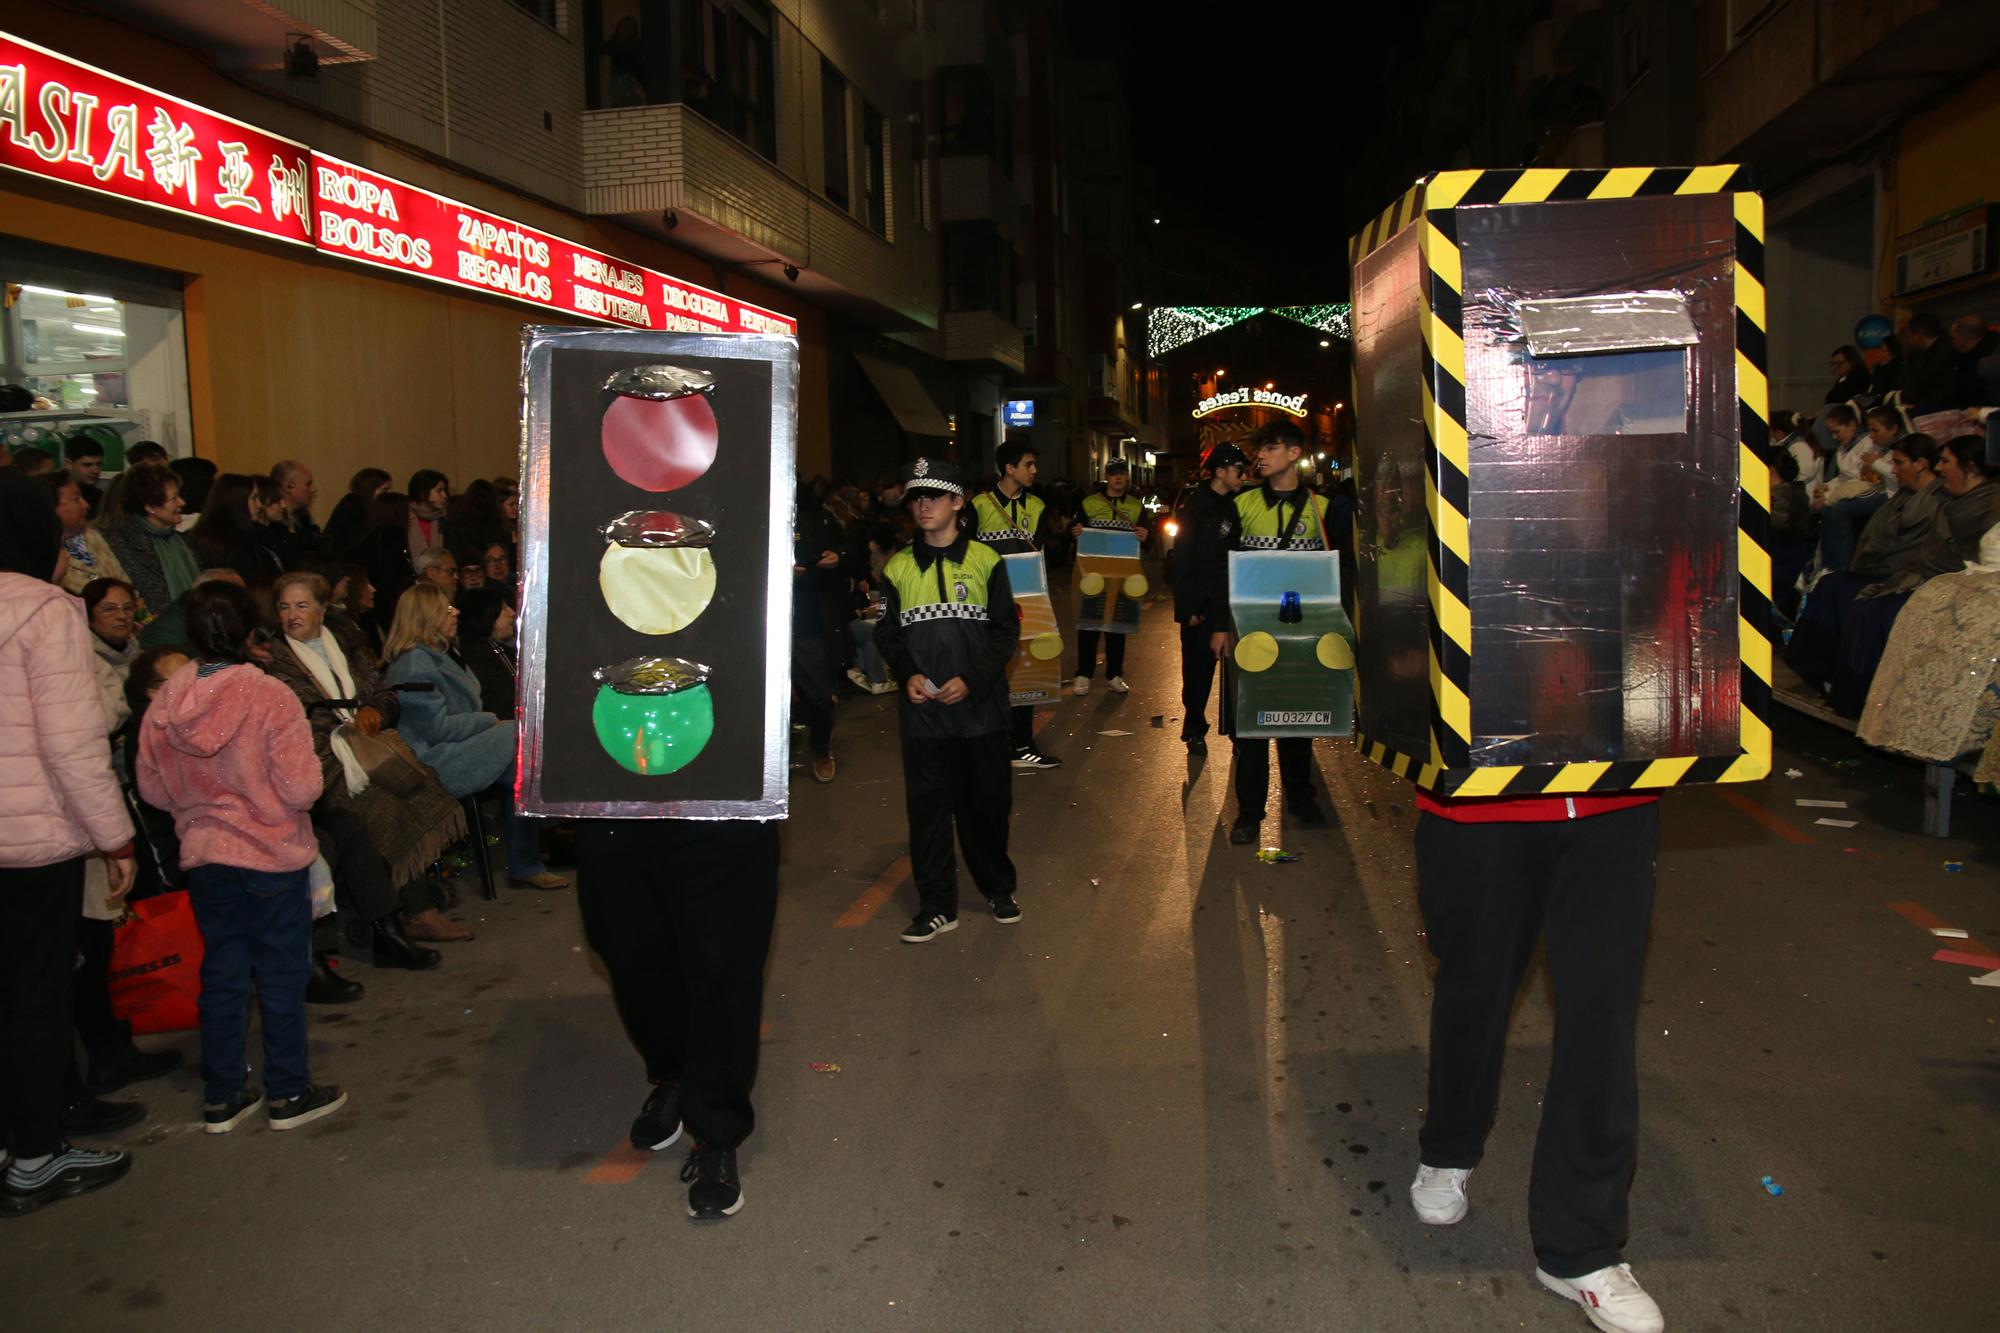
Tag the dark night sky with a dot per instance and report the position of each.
(1282, 92)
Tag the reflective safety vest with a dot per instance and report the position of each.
(1008, 526)
(1267, 520)
(948, 590)
(1101, 511)
(944, 619)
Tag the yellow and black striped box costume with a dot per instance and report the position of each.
(1551, 601)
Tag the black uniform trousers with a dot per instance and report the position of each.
(1487, 891)
(681, 912)
(1022, 729)
(1253, 774)
(967, 781)
(1086, 653)
(1198, 665)
(813, 680)
(40, 910)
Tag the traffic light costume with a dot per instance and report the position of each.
(950, 615)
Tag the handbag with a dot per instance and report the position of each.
(386, 757)
(155, 975)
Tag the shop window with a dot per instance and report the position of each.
(833, 128)
(545, 10)
(874, 166)
(103, 348)
(980, 269)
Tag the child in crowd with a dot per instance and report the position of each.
(227, 751)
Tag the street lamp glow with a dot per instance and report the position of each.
(1138, 305)
(1324, 343)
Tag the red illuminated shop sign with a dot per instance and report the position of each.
(65, 121)
(379, 220)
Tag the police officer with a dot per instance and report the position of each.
(947, 633)
(1113, 508)
(1207, 518)
(1009, 517)
(1280, 514)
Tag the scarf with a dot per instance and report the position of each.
(335, 681)
(426, 528)
(177, 563)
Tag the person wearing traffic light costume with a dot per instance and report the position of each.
(1281, 513)
(1207, 518)
(947, 632)
(1009, 517)
(1113, 508)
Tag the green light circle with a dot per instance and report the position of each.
(653, 734)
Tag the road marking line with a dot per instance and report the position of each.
(1774, 823)
(1917, 915)
(621, 1166)
(868, 904)
(1985, 962)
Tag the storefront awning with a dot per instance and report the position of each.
(906, 397)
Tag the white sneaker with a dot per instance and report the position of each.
(1438, 1194)
(1082, 685)
(860, 681)
(1118, 685)
(1612, 1298)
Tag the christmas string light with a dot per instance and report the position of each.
(1175, 326)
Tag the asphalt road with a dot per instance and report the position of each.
(1182, 1094)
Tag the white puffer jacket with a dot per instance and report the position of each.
(58, 798)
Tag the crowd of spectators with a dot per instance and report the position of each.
(1888, 486)
(206, 691)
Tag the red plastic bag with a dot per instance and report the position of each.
(156, 966)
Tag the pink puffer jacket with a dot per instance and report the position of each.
(58, 797)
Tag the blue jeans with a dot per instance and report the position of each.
(866, 655)
(1840, 527)
(521, 834)
(256, 926)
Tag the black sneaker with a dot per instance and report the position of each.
(928, 926)
(308, 1106)
(1242, 835)
(1197, 744)
(1029, 757)
(714, 1189)
(1005, 910)
(68, 1173)
(113, 1069)
(1306, 813)
(659, 1122)
(87, 1117)
(221, 1119)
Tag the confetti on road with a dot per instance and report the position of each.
(1823, 805)
(1771, 1187)
(1837, 823)
(1114, 733)
(1950, 932)
(1276, 856)
(1954, 867)
(824, 1067)
(1793, 773)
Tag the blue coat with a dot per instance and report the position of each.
(469, 747)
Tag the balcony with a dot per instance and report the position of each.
(973, 188)
(981, 336)
(254, 34)
(1817, 76)
(670, 172)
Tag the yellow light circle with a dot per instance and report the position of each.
(1045, 647)
(1135, 586)
(1092, 584)
(1334, 652)
(1256, 651)
(656, 590)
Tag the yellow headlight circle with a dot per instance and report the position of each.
(1335, 653)
(1256, 651)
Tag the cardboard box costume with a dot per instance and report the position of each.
(1562, 580)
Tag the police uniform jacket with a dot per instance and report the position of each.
(950, 612)
(1121, 515)
(1011, 527)
(1266, 520)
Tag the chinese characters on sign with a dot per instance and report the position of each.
(65, 121)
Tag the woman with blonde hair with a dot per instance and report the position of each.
(449, 726)
(378, 841)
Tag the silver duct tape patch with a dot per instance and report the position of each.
(1610, 322)
(652, 675)
(660, 382)
(658, 527)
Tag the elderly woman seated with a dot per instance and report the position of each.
(375, 839)
(1936, 694)
(450, 728)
